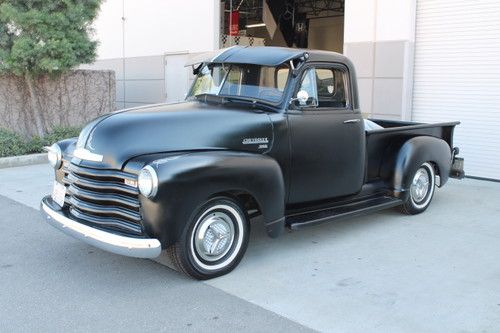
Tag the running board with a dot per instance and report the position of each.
(352, 209)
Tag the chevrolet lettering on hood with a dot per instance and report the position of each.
(255, 141)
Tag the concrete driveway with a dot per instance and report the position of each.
(435, 272)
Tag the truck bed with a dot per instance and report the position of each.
(393, 132)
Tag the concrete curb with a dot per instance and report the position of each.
(15, 161)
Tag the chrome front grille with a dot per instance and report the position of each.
(103, 198)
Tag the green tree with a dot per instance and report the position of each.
(45, 37)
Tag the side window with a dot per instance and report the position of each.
(325, 79)
(326, 87)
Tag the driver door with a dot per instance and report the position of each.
(327, 138)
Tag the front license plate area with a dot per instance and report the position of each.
(59, 193)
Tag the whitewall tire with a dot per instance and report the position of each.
(214, 241)
(421, 191)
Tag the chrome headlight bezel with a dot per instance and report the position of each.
(54, 155)
(147, 182)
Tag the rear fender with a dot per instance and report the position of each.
(406, 160)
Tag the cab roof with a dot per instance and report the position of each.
(264, 55)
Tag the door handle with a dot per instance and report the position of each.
(351, 121)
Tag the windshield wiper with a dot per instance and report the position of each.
(249, 101)
(224, 99)
(209, 98)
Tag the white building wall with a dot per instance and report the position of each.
(153, 27)
(379, 39)
(136, 37)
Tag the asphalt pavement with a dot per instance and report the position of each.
(386, 272)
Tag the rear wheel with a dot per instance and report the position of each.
(214, 241)
(421, 190)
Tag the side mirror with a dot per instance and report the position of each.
(302, 98)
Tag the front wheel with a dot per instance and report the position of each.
(421, 190)
(214, 241)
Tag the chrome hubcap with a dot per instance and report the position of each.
(214, 236)
(420, 185)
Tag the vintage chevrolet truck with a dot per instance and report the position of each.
(267, 131)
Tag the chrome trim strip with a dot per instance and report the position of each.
(122, 224)
(93, 208)
(78, 180)
(97, 196)
(84, 154)
(100, 173)
(126, 246)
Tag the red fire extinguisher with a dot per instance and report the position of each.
(234, 23)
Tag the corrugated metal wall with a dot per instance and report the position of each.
(457, 76)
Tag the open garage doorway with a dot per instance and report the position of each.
(314, 24)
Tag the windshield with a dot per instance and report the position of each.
(246, 81)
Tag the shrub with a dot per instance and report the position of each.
(13, 144)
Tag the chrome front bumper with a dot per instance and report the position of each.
(127, 246)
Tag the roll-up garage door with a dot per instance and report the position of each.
(457, 76)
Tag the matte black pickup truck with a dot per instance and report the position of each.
(264, 131)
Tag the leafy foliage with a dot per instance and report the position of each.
(46, 36)
(40, 37)
(13, 144)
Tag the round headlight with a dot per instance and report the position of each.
(148, 182)
(55, 156)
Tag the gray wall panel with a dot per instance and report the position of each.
(361, 54)
(365, 95)
(144, 79)
(145, 91)
(390, 58)
(119, 90)
(381, 69)
(387, 97)
(141, 68)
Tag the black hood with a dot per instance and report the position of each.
(186, 126)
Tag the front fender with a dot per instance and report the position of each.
(187, 180)
(409, 156)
